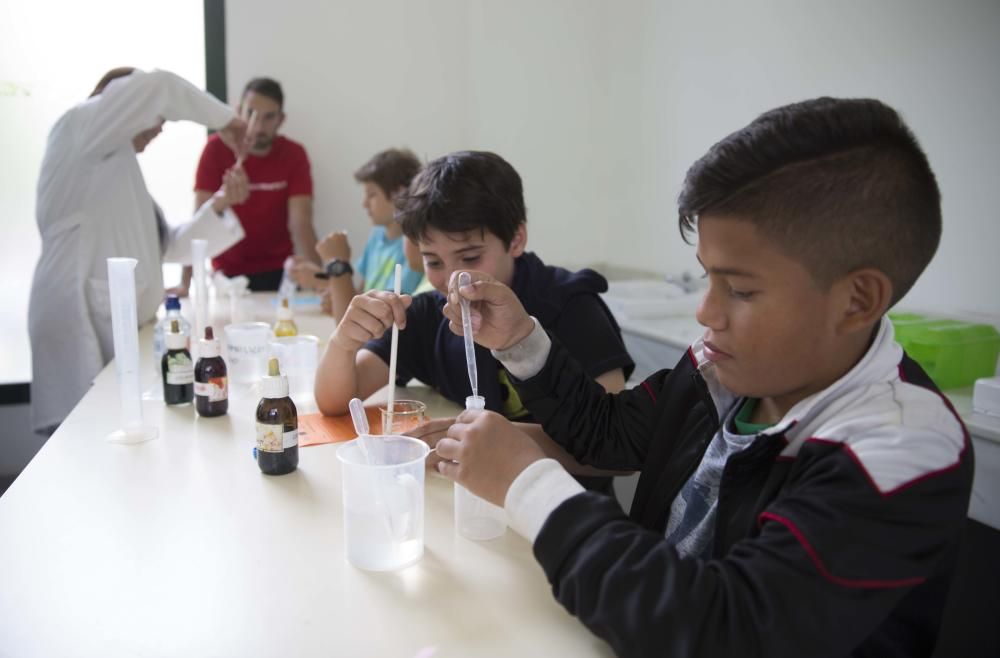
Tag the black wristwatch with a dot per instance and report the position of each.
(335, 268)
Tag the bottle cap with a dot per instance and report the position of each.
(284, 313)
(208, 347)
(174, 338)
(274, 385)
(172, 303)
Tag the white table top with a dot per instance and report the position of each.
(180, 546)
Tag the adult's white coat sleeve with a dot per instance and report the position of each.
(137, 102)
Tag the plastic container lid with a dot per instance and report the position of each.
(954, 354)
(274, 385)
(173, 303)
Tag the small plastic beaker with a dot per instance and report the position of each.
(383, 502)
(476, 518)
(405, 415)
(246, 351)
(298, 356)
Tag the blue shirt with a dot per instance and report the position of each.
(378, 263)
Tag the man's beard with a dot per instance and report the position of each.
(262, 143)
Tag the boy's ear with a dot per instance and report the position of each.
(281, 120)
(864, 296)
(519, 242)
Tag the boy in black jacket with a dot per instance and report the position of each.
(803, 482)
(466, 210)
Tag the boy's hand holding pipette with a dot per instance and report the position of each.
(498, 318)
(430, 433)
(484, 452)
(368, 317)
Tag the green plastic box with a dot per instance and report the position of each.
(953, 353)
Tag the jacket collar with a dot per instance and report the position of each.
(879, 364)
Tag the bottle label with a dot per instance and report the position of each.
(271, 438)
(180, 370)
(216, 389)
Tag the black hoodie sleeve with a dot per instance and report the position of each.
(606, 430)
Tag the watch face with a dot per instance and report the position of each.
(338, 268)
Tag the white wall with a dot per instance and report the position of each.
(716, 65)
(602, 106)
(528, 80)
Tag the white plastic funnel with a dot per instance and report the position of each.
(125, 326)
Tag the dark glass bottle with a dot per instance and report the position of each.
(277, 425)
(178, 371)
(211, 385)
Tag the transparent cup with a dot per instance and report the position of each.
(405, 415)
(246, 351)
(298, 356)
(476, 518)
(383, 502)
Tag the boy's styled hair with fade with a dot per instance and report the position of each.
(461, 192)
(838, 184)
(390, 169)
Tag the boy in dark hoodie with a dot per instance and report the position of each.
(466, 211)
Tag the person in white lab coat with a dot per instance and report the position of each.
(93, 204)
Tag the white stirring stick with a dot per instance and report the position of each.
(465, 279)
(251, 124)
(390, 405)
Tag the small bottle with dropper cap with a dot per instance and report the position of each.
(277, 448)
(285, 326)
(211, 385)
(177, 369)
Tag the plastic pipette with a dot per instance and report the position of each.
(390, 405)
(465, 279)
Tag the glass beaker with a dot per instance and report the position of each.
(405, 415)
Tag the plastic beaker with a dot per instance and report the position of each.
(476, 518)
(298, 356)
(405, 415)
(383, 502)
(246, 351)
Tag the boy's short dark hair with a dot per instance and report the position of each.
(266, 87)
(461, 192)
(838, 184)
(390, 170)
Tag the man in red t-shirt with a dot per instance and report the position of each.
(278, 213)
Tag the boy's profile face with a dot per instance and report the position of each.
(379, 206)
(769, 328)
(444, 253)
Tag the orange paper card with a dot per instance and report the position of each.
(315, 429)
